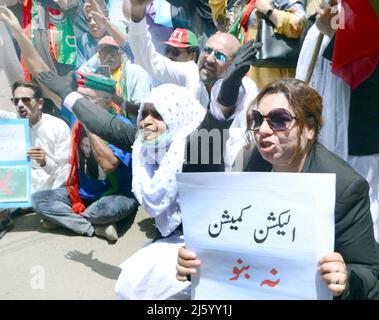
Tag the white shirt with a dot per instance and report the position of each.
(185, 74)
(53, 135)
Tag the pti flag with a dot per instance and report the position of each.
(356, 48)
(62, 37)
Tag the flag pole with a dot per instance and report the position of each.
(316, 51)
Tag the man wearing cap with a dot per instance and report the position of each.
(197, 78)
(94, 199)
(215, 58)
(182, 46)
(132, 82)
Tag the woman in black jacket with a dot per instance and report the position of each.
(284, 121)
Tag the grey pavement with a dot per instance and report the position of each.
(38, 264)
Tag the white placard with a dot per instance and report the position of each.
(12, 142)
(258, 235)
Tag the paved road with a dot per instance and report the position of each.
(37, 264)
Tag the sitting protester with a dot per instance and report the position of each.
(284, 121)
(98, 190)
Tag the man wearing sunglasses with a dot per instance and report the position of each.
(179, 67)
(49, 137)
(217, 55)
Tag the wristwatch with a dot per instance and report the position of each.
(269, 12)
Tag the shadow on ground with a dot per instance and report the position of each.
(102, 268)
(147, 226)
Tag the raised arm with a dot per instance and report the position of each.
(103, 124)
(289, 20)
(33, 59)
(145, 54)
(94, 118)
(91, 8)
(233, 76)
(137, 9)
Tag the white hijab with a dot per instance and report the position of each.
(154, 185)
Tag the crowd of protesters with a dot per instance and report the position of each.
(118, 92)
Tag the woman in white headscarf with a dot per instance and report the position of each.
(167, 116)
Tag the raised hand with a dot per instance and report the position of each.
(99, 17)
(137, 9)
(62, 86)
(243, 59)
(8, 17)
(233, 76)
(91, 6)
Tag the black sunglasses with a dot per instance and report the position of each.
(23, 99)
(222, 57)
(278, 119)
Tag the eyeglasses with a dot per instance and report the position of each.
(25, 100)
(278, 119)
(218, 54)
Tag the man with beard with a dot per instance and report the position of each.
(216, 56)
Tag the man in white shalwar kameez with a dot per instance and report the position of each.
(49, 137)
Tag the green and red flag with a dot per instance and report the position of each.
(28, 23)
(62, 37)
(356, 48)
(242, 22)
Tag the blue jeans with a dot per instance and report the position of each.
(55, 206)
